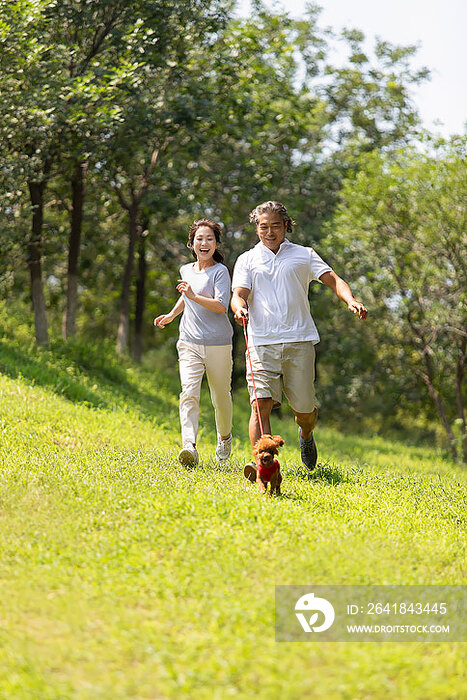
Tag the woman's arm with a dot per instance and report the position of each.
(163, 320)
(210, 304)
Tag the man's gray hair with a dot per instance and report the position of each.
(274, 207)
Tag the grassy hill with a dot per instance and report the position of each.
(123, 575)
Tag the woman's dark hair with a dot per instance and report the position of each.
(275, 207)
(215, 228)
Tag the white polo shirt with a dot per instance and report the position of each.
(278, 306)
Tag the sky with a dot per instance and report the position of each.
(438, 27)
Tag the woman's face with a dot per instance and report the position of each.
(271, 230)
(204, 243)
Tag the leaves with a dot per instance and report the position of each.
(401, 225)
(188, 110)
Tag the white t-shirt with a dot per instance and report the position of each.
(278, 306)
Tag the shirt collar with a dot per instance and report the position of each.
(266, 253)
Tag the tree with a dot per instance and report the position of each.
(369, 100)
(401, 228)
(63, 69)
(48, 80)
(159, 107)
(25, 119)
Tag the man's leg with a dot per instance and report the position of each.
(265, 408)
(306, 422)
(298, 377)
(308, 451)
(266, 367)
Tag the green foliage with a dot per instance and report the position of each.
(184, 110)
(369, 101)
(400, 229)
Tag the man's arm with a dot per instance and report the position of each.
(342, 290)
(239, 304)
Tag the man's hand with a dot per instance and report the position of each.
(357, 308)
(239, 304)
(240, 314)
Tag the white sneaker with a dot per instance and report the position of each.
(188, 456)
(223, 449)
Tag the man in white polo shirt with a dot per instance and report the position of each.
(270, 291)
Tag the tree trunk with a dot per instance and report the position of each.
(439, 407)
(459, 397)
(124, 321)
(36, 192)
(74, 242)
(137, 352)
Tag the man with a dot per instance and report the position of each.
(270, 291)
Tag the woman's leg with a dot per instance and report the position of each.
(191, 367)
(219, 374)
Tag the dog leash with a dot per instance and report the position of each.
(252, 377)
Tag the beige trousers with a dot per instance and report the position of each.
(194, 360)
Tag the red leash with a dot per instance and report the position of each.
(252, 377)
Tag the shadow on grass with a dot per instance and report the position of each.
(210, 465)
(83, 374)
(326, 473)
(329, 473)
(360, 447)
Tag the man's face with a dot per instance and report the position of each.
(271, 230)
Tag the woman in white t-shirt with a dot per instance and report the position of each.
(205, 340)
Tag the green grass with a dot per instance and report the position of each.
(123, 575)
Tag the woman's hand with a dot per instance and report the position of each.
(163, 320)
(184, 288)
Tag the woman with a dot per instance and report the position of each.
(205, 339)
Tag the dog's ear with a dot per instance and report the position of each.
(278, 440)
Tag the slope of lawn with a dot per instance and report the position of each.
(123, 575)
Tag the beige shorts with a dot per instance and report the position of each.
(287, 368)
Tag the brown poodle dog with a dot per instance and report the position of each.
(268, 468)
